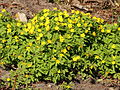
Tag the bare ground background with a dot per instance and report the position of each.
(98, 8)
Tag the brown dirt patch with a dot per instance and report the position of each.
(31, 7)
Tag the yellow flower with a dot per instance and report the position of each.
(108, 31)
(35, 18)
(54, 8)
(1, 62)
(30, 44)
(82, 13)
(76, 58)
(68, 86)
(100, 27)
(58, 71)
(94, 17)
(1, 46)
(39, 30)
(16, 37)
(25, 25)
(82, 35)
(41, 24)
(49, 41)
(66, 14)
(58, 23)
(29, 65)
(56, 28)
(46, 10)
(85, 24)
(43, 43)
(8, 79)
(65, 11)
(16, 40)
(67, 36)
(47, 22)
(37, 46)
(9, 30)
(102, 20)
(60, 19)
(69, 20)
(77, 12)
(18, 24)
(97, 57)
(103, 61)
(26, 30)
(27, 48)
(0, 14)
(78, 25)
(8, 25)
(60, 13)
(102, 30)
(69, 25)
(57, 61)
(19, 56)
(87, 14)
(98, 20)
(29, 25)
(61, 38)
(40, 35)
(36, 26)
(113, 62)
(115, 24)
(64, 50)
(119, 29)
(83, 21)
(55, 14)
(113, 46)
(61, 55)
(90, 25)
(54, 50)
(94, 34)
(3, 41)
(33, 22)
(86, 31)
(46, 14)
(38, 38)
(31, 31)
(26, 76)
(56, 19)
(3, 10)
(75, 21)
(47, 18)
(72, 30)
(72, 11)
(73, 16)
(21, 33)
(42, 18)
(53, 58)
(47, 28)
(114, 57)
(23, 63)
(68, 47)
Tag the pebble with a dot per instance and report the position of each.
(21, 16)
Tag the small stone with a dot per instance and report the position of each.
(21, 16)
(111, 88)
(49, 85)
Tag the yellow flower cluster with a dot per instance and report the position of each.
(61, 38)
(76, 58)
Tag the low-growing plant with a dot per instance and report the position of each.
(57, 45)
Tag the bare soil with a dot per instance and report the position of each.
(99, 8)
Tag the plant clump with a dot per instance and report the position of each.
(57, 45)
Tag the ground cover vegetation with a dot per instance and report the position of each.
(57, 45)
